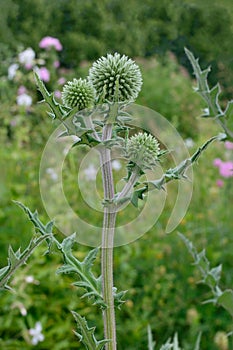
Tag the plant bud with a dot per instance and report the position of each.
(116, 78)
(78, 93)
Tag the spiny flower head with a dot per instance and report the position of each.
(78, 93)
(116, 78)
(143, 150)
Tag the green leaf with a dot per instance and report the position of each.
(209, 96)
(211, 277)
(39, 226)
(17, 259)
(138, 194)
(13, 258)
(226, 300)
(58, 111)
(228, 122)
(86, 335)
(90, 283)
(118, 297)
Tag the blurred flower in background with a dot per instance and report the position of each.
(36, 334)
(27, 58)
(12, 70)
(43, 74)
(48, 41)
(24, 100)
(229, 145)
(116, 165)
(189, 142)
(90, 172)
(225, 168)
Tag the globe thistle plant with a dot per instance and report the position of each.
(78, 93)
(116, 78)
(143, 150)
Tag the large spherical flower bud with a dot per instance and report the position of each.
(78, 93)
(116, 78)
(143, 150)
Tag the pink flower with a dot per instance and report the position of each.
(61, 81)
(57, 94)
(56, 64)
(44, 74)
(226, 169)
(217, 162)
(28, 66)
(219, 183)
(229, 145)
(21, 90)
(48, 41)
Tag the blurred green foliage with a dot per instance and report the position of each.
(161, 283)
(89, 29)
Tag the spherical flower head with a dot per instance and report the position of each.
(116, 78)
(143, 150)
(78, 93)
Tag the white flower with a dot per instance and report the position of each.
(206, 111)
(90, 172)
(36, 334)
(116, 165)
(27, 56)
(12, 70)
(23, 310)
(29, 279)
(24, 100)
(189, 142)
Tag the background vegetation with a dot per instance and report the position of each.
(156, 269)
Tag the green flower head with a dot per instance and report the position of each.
(143, 150)
(116, 78)
(78, 93)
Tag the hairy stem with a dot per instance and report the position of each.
(107, 243)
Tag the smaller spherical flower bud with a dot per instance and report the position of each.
(78, 93)
(116, 78)
(143, 150)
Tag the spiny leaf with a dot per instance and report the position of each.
(90, 259)
(13, 258)
(226, 300)
(210, 96)
(118, 297)
(57, 109)
(228, 122)
(151, 343)
(211, 277)
(17, 259)
(72, 264)
(39, 226)
(177, 172)
(174, 345)
(86, 335)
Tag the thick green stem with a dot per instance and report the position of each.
(108, 243)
